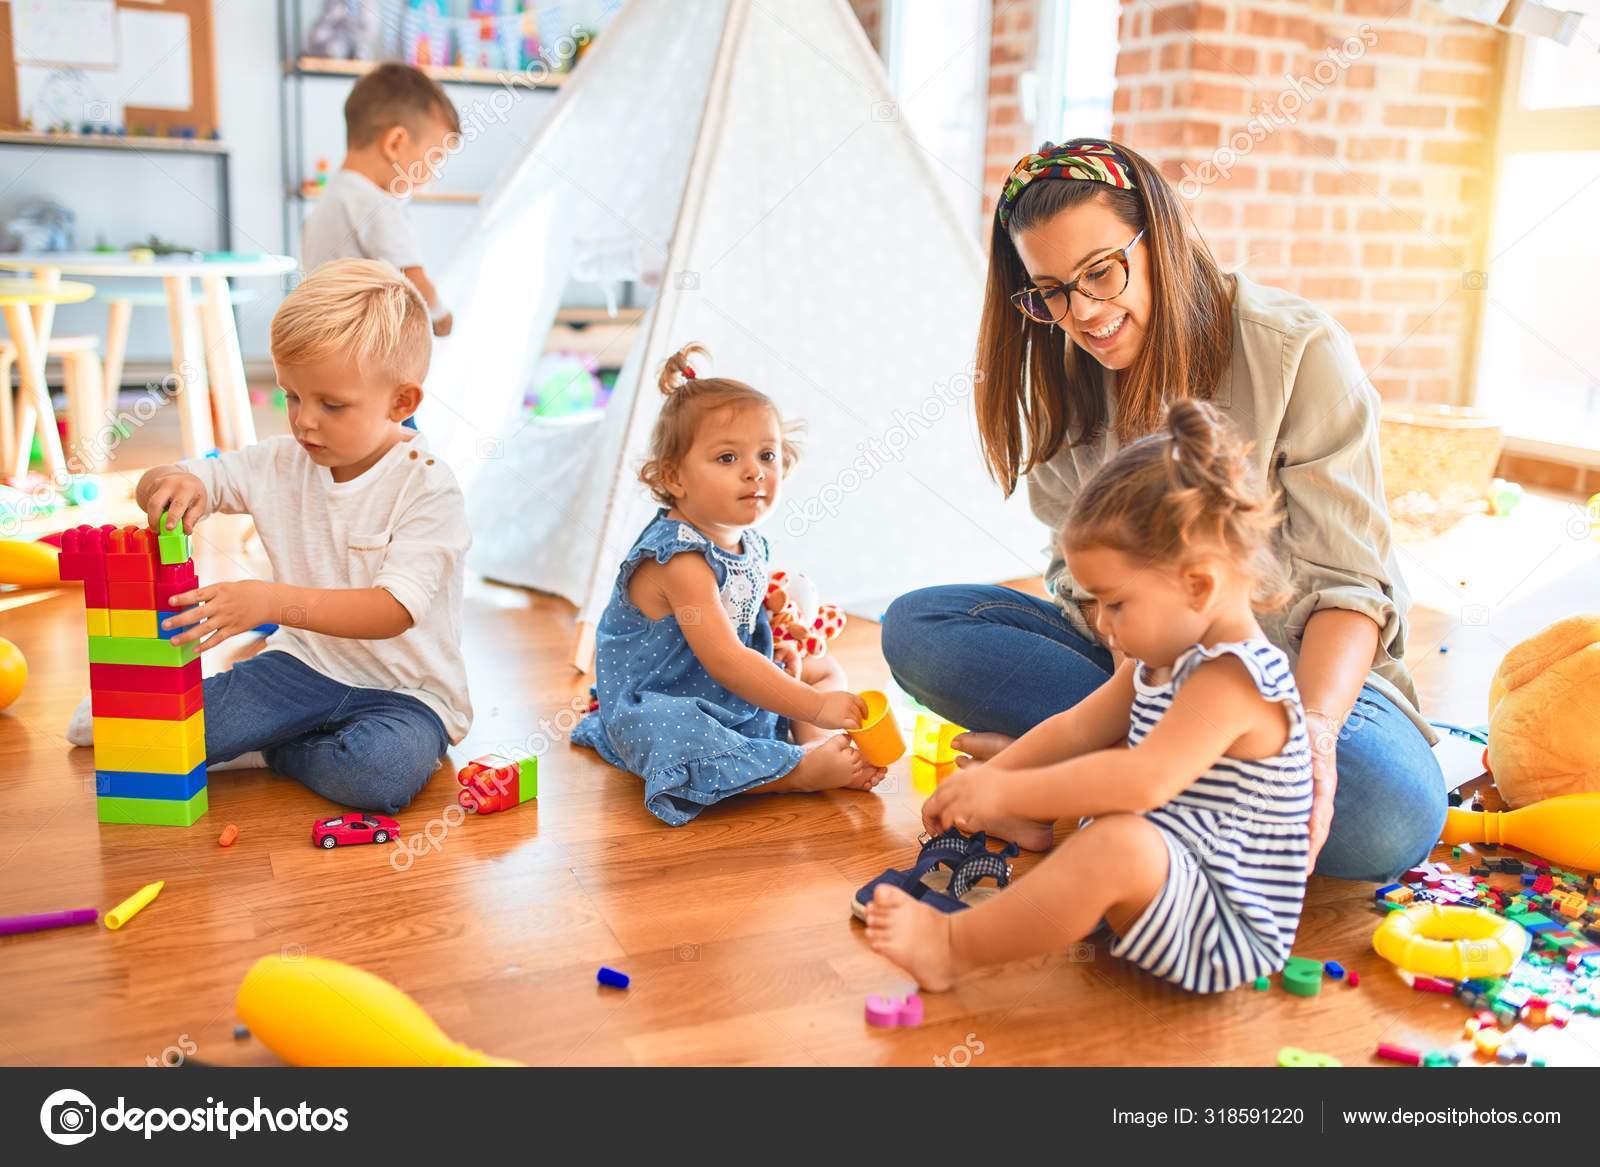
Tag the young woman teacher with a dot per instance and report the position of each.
(1103, 304)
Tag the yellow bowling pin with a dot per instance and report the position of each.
(1564, 830)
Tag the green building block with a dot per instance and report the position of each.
(155, 812)
(1302, 976)
(174, 545)
(118, 650)
(1263, 983)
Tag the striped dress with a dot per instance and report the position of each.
(1237, 839)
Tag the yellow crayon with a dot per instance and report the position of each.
(129, 908)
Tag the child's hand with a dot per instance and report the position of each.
(786, 653)
(182, 497)
(443, 324)
(226, 609)
(840, 710)
(971, 799)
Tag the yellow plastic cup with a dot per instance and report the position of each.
(879, 738)
(932, 740)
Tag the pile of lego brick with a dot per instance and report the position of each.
(145, 691)
(1558, 978)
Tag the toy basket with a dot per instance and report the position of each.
(1438, 461)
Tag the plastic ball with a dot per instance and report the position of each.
(13, 672)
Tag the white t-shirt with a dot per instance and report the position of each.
(401, 526)
(356, 219)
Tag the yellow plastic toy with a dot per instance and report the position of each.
(933, 757)
(315, 1012)
(29, 565)
(1544, 739)
(1451, 941)
(13, 672)
(879, 738)
(1564, 830)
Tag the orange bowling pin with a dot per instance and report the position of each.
(1564, 830)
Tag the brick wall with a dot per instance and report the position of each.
(1359, 180)
(1013, 50)
(870, 14)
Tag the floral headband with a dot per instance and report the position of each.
(1091, 161)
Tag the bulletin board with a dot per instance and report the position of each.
(129, 61)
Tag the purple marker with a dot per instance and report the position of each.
(12, 924)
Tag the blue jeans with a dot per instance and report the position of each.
(368, 749)
(991, 658)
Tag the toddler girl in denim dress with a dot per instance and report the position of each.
(691, 696)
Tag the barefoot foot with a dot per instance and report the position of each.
(1025, 833)
(833, 763)
(913, 935)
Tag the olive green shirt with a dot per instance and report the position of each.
(1296, 390)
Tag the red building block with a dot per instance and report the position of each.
(131, 555)
(83, 557)
(152, 706)
(137, 595)
(174, 579)
(144, 678)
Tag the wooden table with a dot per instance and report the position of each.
(29, 307)
(202, 376)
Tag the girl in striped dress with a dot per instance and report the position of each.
(1190, 769)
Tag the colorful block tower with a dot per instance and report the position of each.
(145, 691)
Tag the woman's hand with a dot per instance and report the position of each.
(225, 609)
(1324, 734)
(970, 799)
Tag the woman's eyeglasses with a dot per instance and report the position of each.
(1050, 301)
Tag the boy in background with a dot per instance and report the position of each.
(396, 118)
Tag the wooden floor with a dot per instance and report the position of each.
(735, 929)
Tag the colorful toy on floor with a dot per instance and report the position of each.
(1544, 739)
(11, 925)
(933, 757)
(497, 782)
(1564, 830)
(879, 738)
(28, 565)
(133, 905)
(145, 692)
(1303, 1059)
(798, 616)
(357, 827)
(1302, 976)
(1450, 940)
(13, 672)
(229, 834)
(892, 1012)
(611, 978)
(316, 1012)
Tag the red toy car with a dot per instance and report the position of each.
(353, 828)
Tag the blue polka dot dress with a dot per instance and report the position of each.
(661, 715)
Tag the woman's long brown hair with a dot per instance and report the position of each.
(1038, 390)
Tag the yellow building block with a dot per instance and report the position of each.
(151, 733)
(99, 620)
(133, 623)
(149, 759)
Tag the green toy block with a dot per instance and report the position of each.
(174, 545)
(155, 812)
(1302, 976)
(113, 650)
(1263, 983)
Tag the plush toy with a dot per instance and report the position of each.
(798, 617)
(1544, 737)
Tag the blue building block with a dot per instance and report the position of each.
(611, 978)
(1334, 969)
(134, 784)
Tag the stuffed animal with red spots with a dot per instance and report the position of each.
(798, 617)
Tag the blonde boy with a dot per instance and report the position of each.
(362, 688)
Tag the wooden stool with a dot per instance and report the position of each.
(29, 308)
(82, 377)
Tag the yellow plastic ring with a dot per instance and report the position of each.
(1450, 940)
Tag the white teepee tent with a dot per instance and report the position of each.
(754, 154)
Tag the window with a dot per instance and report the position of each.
(937, 55)
(1538, 368)
(1077, 69)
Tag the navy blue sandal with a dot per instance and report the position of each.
(968, 860)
